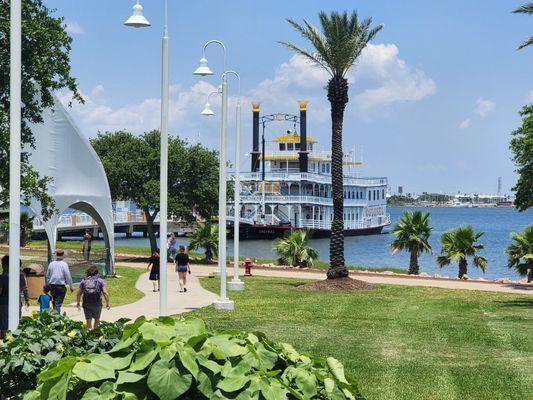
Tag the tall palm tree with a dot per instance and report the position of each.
(459, 244)
(525, 9)
(293, 250)
(205, 236)
(521, 252)
(335, 49)
(412, 234)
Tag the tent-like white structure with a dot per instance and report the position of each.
(79, 181)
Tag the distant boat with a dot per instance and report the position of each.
(504, 204)
(457, 203)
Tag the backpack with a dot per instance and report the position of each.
(92, 291)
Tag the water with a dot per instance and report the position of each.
(374, 251)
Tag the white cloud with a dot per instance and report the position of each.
(380, 78)
(484, 107)
(465, 124)
(74, 28)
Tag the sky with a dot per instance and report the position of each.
(433, 99)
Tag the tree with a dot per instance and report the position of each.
(522, 148)
(131, 164)
(525, 9)
(26, 228)
(412, 234)
(521, 252)
(206, 237)
(45, 68)
(336, 48)
(293, 250)
(459, 244)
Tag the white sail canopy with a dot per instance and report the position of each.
(79, 181)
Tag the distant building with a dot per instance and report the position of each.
(499, 192)
(400, 190)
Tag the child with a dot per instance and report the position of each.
(45, 300)
(153, 267)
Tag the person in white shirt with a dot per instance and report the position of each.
(58, 276)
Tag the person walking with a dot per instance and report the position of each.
(91, 290)
(172, 244)
(153, 267)
(86, 247)
(58, 276)
(45, 300)
(4, 296)
(182, 267)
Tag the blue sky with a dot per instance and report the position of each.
(432, 101)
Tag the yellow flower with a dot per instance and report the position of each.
(9, 338)
(60, 347)
(72, 334)
(34, 313)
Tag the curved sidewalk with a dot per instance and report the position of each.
(196, 297)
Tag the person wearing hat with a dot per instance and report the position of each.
(58, 277)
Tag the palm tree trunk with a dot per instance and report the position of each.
(462, 268)
(338, 98)
(150, 228)
(530, 275)
(413, 263)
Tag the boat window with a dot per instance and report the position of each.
(282, 146)
(309, 146)
(382, 193)
(296, 146)
(290, 146)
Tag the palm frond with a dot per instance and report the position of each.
(525, 43)
(524, 9)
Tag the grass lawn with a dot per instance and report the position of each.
(121, 290)
(398, 342)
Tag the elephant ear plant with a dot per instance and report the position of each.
(44, 339)
(178, 358)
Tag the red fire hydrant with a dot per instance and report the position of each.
(248, 267)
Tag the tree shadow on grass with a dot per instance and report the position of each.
(525, 302)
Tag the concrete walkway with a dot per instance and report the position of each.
(196, 297)
(390, 280)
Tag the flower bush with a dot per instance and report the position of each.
(178, 358)
(42, 340)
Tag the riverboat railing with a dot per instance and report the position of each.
(85, 220)
(311, 177)
(297, 199)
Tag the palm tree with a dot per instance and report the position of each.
(293, 250)
(525, 9)
(335, 49)
(205, 236)
(412, 234)
(521, 252)
(459, 244)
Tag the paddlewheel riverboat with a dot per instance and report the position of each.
(290, 187)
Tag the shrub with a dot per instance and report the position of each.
(293, 250)
(177, 358)
(44, 339)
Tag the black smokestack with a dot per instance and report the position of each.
(303, 137)
(255, 142)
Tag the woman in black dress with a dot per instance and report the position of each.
(154, 270)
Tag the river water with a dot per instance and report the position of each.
(374, 251)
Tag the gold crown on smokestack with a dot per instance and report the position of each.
(303, 105)
(255, 106)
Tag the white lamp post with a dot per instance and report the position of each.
(137, 20)
(15, 87)
(235, 284)
(223, 303)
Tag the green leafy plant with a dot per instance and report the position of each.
(206, 237)
(459, 244)
(178, 358)
(520, 252)
(293, 250)
(44, 339)
(412, 234)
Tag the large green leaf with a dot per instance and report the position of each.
(63, 366)
(144, 358)
(59, 390)
(272, 390)
(90, 372)
(233, 383)
(160, 333)
(190, 327)
(166, 381)
(209, 364)
(188, 358)
(128, 377)
(337, 369)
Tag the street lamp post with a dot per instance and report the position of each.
(223, 303)
(15, 87)
(235, 284)
(137, 20)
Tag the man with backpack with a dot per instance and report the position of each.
(91, 290)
